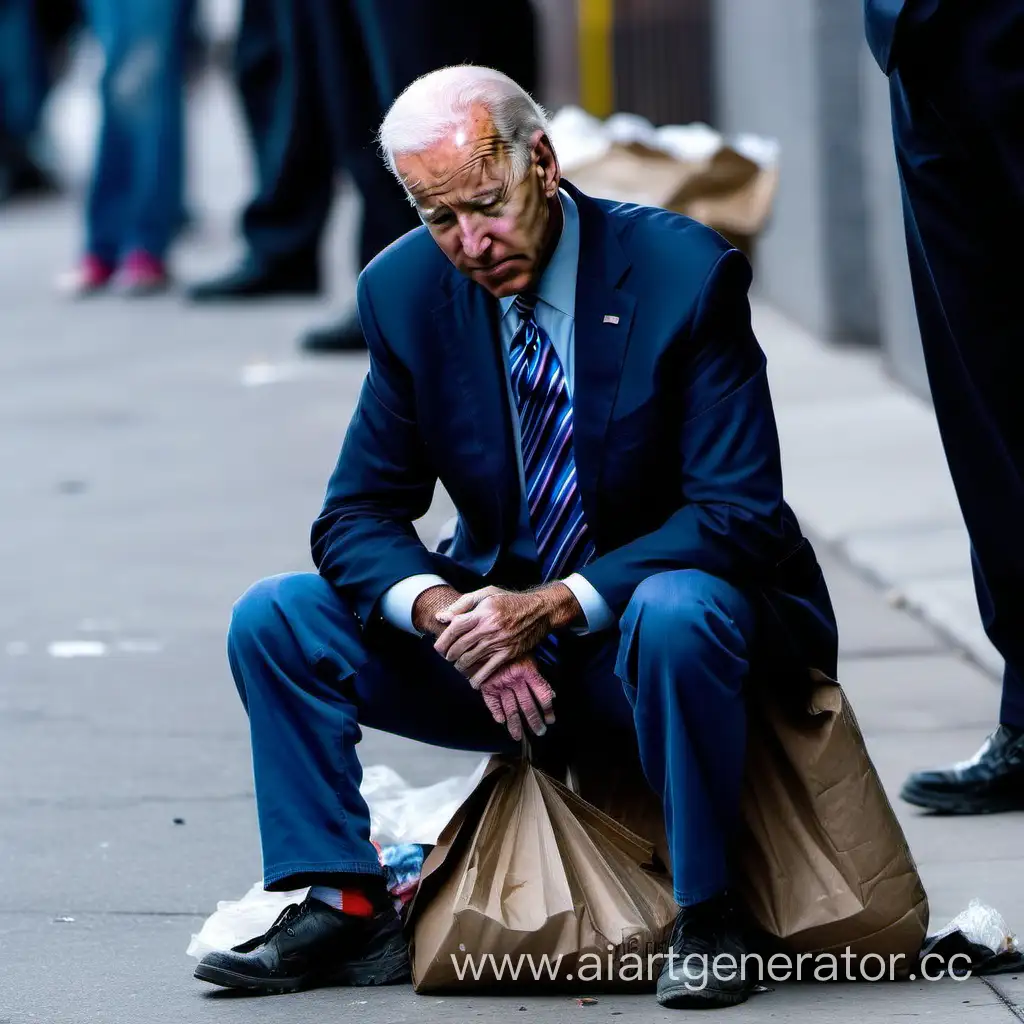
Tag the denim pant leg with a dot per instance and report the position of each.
(309, 680)
(683, 657)
(135, 198)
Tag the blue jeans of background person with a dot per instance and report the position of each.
(671, 678)
(135, 197)
(24, 77)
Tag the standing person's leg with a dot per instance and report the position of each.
(354, 108)
(310, 680)
(23, 75)
(150, 92)
(283, 223)
(108, 199)
(960, 148)
(394, 43)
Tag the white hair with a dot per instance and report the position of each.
(435, 103)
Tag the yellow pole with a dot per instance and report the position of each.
(595, 19)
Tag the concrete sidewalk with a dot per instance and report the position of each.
(159, 458)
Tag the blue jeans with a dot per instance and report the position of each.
(671, 677)
(135, 197)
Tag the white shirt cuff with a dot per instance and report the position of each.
(595, 609)
(398, 600)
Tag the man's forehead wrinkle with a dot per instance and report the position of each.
(445, 184)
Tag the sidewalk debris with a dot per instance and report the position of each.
(977, 941)
(405, 822)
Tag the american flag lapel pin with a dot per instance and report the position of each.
(610, 318)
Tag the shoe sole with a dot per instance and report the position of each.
(683, 998)
(957, 803)
(392, 969)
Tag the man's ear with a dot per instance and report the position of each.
(545, 162)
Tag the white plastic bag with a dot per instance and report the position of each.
(581, 139)
(235, 921)
(400, 813)
(983, 925)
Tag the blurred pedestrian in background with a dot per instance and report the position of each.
(316, 77)
(957, 93)
(134, 205)
(32, 33)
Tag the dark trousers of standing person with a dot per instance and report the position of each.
(958, 121)
(24, 84)
(284, 110)
(381, 46)
(397, 41)
(316, 77)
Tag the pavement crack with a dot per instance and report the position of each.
(1010, 1005)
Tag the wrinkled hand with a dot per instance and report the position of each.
(519, 691)
(492, 627)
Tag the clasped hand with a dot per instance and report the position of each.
(488, 635)
(491, 627)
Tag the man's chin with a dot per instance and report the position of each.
(504, 286)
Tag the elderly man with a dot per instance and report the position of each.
(583, 379)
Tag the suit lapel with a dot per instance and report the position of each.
(603, 319)
(467, 331)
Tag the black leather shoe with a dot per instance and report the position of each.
(312, 945)
(991, 781)
(256, 281)
(698, 973)
(23, 178)
(346, 336)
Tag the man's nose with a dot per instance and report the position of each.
(475, 239)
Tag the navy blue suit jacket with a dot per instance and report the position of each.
(675, 440)
(882, 20)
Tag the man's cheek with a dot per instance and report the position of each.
(504, 229)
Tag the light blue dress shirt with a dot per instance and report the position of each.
(555, 314)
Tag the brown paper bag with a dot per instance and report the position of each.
(539, 888)
(727, 191)
(824, 863)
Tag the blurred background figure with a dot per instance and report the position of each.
(134, 205)
(32, 38)
(316, 77)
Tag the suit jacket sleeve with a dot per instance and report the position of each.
(729, 521)
(364, 541)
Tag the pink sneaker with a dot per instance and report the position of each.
(141, 274)
(90, 276)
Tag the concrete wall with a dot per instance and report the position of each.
(790, 69)
(834, 257)
(558, 37)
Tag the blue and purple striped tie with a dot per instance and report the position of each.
(545, 422)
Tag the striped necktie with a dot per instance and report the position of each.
(545, 421)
